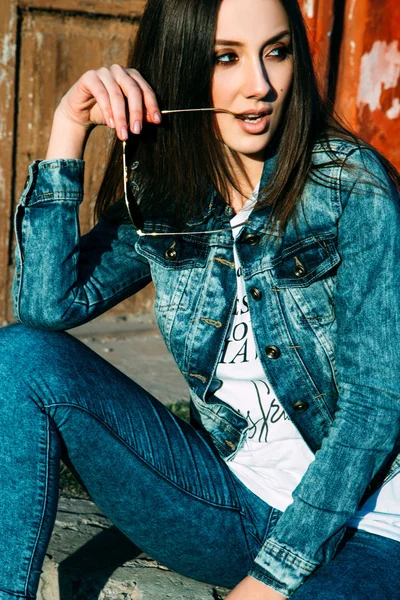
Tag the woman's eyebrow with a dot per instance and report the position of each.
(274, 39)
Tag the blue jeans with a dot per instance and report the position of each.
(152, 474)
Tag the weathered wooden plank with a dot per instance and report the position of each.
(368, 93)
(115, 8)
(8, 32)
(56, 50)
(319, 17)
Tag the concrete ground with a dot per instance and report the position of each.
(88, 558)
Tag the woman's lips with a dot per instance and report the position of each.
(256, 127)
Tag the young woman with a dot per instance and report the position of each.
(272, 236)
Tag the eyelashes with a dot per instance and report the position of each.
(280, 53)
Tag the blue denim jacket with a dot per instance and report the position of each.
(326, 323)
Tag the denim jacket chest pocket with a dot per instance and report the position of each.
(307, 271)
(176, 266)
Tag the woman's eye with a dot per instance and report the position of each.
(225, 59)
(281, 52)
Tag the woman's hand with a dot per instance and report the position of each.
(117, 97)
(252, 589)
(99, 98)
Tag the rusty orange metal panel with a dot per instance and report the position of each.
(368, 91)
(319, 17)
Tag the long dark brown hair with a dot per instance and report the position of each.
(179, 160)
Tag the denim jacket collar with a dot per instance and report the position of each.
(215, 207)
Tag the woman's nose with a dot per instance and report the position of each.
(256, 83)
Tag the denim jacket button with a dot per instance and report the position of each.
(272, 352)
(230, 445)
(170, 254)
(228, 211)
(299, 271)
(251, 239)
(301, 406)
(255, 293)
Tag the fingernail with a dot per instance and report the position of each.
(157, 117)
(137, 128)
(124, 133)
(112, 124)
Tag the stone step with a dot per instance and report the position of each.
(88, 558)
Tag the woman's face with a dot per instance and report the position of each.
(253, 72)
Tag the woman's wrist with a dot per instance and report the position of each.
(67, 139)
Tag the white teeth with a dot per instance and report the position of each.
(253, 119)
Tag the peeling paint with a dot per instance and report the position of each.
(8, 49)
(39, 39)
(309, 8)
(2, 184)
(6, 93)
(380, 70)
(3, 127)
(353, 47)
(394, 111)
(351, 10)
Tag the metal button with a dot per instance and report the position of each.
(272, 352)
(228, 211)
(301, 406)
(230, 445)
(300, 271)
(251, 239)
(171, 254)
(255, 293)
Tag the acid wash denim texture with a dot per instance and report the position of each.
(326, 323)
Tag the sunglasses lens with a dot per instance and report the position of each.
(133, 208)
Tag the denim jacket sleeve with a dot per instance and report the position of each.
(367, 421)
(62, 279)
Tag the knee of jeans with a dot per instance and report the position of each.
(29, 354)
(24, 343)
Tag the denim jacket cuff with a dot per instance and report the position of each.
(53, 180)
(280, 569)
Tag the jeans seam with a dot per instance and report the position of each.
(44, 505)
(246, 514)
(16, 594)
(151, 466)
(272, 520)
(246, 532)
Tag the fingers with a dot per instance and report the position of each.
(126, 87)
(153, 113)
(93, 87)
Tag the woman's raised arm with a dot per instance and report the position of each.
(62, 279)
(117, 97)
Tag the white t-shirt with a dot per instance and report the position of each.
(274, 456)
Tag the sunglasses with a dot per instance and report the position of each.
(131, 188)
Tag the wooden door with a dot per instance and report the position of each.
(55, 42)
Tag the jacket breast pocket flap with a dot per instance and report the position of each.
(180, 252)
(305, 262)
